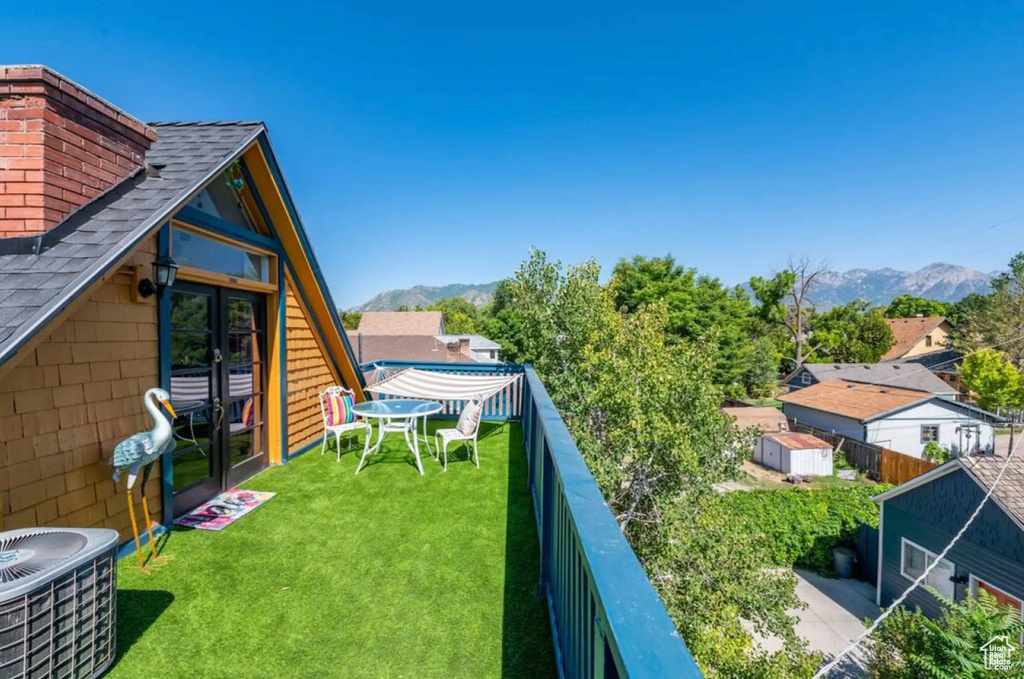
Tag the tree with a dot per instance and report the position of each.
(644, 409)
(785, 300)
(909, 645)
(460, 315)
(852, 333)
(991, 380)
(908, 306)
(350, 319)
(996, 320)
(697, 304)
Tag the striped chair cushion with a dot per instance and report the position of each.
(248, 414)
(339, 409)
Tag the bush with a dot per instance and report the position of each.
(802, 526)
(936, 453)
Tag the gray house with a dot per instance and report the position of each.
(920, 517)
(904, 375)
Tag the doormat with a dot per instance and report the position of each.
(223, 510)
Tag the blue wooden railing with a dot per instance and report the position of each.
(606, 619)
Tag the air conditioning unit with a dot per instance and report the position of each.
(58, 596)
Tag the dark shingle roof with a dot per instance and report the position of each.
(35, 287)
(901, 375)
(1010, 491)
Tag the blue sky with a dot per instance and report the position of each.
(436, 142)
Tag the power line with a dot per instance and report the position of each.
(921, 578)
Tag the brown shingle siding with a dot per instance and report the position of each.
(58, 425)
(308, 373)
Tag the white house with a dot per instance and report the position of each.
(904, 420)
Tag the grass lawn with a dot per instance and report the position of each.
(384, 574)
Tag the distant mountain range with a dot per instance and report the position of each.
(425, 295)
(942, 282)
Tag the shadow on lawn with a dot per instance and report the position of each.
(137, 610)
(526, 646)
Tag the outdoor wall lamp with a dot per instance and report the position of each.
(164, 273)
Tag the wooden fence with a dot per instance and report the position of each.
(898, 468)
(866, 457)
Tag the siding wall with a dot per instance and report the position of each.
(930, 516)
(308, 374)
(844, 426)
(902, 431)
(68, 402)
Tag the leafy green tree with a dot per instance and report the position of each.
(350, 319)
(851, 333)
(461, 317)
(909, 645)
(991, 380)
(995, 320)
(696, 304)
(643, 407)
(784, 303)
(962, 312)
(908, 306)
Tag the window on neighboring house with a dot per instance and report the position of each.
(927, 340)
(915, 559)
(494, 354)
(805, 378)
(929, 432)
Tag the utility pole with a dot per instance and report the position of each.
(1015, 415)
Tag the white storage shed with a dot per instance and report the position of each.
(790, 453)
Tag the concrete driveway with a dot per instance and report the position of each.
(832, 619)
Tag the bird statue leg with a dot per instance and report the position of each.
(153, 559)
(135, 530)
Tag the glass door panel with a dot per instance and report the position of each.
(193, 394)
(245, 337)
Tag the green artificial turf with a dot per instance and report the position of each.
(384, 574)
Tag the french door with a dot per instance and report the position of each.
(217, 347)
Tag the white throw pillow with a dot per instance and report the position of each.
(470, 418)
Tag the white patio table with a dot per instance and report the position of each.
(398, 415)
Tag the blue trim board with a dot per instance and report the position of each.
(164, 352)
(128, 548)
(282, 356)
(212, 224)
(275, 171)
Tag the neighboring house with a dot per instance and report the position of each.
(943, 364)
(404, 323)
(370, 348)
(918, 335)
(481, 349)
(919, 518)
(243, 339)
(903, 375)
(416, 336)
(904, 420)
(765, 420)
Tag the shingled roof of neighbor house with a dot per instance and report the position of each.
(905, 375)
(984, 469)
(401, 323)
(909, 331)
(40, 275)
(859, 401)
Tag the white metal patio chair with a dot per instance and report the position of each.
(466, 430)
(343, 428)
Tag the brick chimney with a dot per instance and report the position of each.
(60, 146)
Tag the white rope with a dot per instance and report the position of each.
(885, 614)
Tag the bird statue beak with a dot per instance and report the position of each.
(167, 404)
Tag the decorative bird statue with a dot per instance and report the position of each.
(138, 452)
